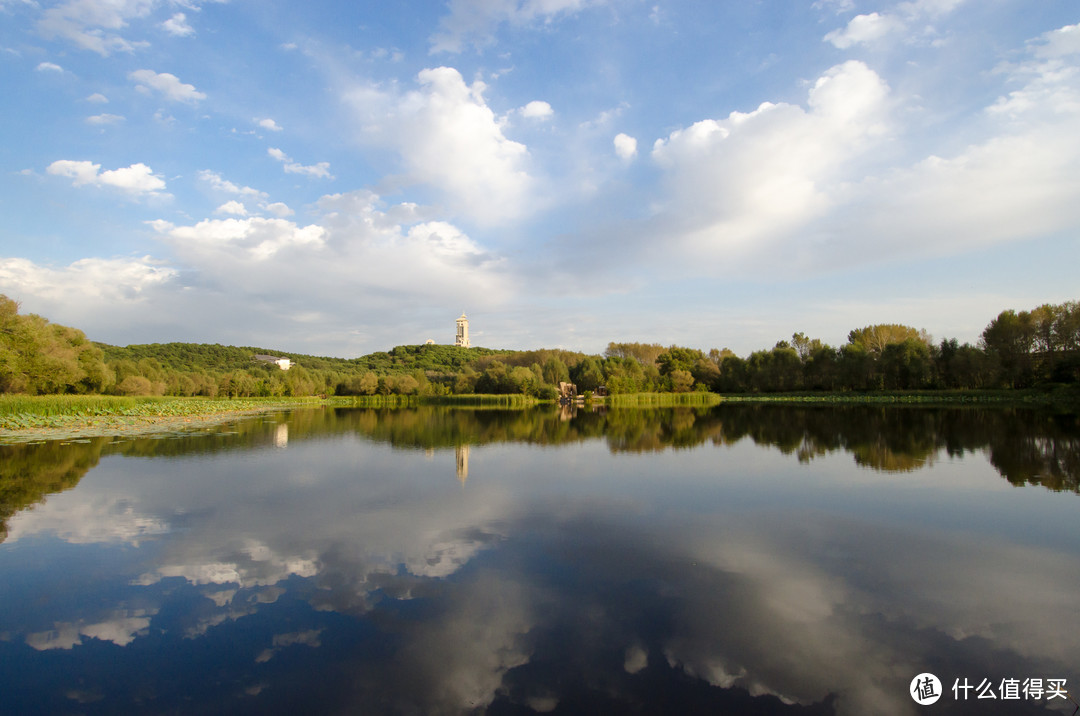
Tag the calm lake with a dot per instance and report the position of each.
(728, 560)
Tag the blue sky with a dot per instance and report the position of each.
(337, 178)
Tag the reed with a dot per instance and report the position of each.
(662, 400)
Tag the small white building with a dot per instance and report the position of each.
(283, 363)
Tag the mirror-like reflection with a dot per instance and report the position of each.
(735, 559)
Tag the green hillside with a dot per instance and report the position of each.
(216, 358)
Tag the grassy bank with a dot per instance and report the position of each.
(19, 412)
(1059, 395)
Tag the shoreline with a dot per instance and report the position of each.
(77, 427)
(196, 414)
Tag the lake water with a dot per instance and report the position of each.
(736, 559)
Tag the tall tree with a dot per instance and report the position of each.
(874, 338)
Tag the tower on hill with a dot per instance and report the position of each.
(462, 332)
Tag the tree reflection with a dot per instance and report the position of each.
(1026, 446)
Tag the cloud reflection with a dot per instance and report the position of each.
(722, 577)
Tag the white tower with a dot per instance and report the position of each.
(462, 332)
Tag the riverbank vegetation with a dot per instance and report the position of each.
(1036, 350)
(20, 412)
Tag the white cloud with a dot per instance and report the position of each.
(537, 110)
(1019, 182)
(448, 137)
(736, 182)
(137, 179)
(232, 207)
(94, 24)
(105, 119)
(98, 98)
(218, 183)
(864, 29)
(48, 67)
(82, 172)
(86, 281)
(167, 84)
(320, 170)
(253, 264)
(1059, 43)
(279, 209)
(875, 27)
(255, 238)
(811, 185)
(625, 146)
(178, 26)
(474, 21)
(268, 124)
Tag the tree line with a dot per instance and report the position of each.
(1016, 350)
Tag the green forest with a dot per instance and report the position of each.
(1017, 350)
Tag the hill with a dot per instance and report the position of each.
(215, 358)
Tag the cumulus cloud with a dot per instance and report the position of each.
(268, 124)
(809, 181)
(474, 21)
(231, 207)
(738, 181)
(279, 209)
(1017, 183)
(537, 110)
(625, 146)
(177, 26)
(98, 98)
(253, 263)
(864, 29)
(90, 281)
(257, 238)
(94, 24)
(137, 179)
(49, 67)
(448, 137)
(875, 27)
(320, 170)
(168, 85)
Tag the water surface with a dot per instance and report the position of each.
(441, 561)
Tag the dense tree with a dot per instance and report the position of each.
(875, 338)
(821, 369)
(555, 371)
(1011, 337)
(676, 358)
(41, 357)
(588, 374)
(906, 365)
(644, 353)
(1017, 349)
